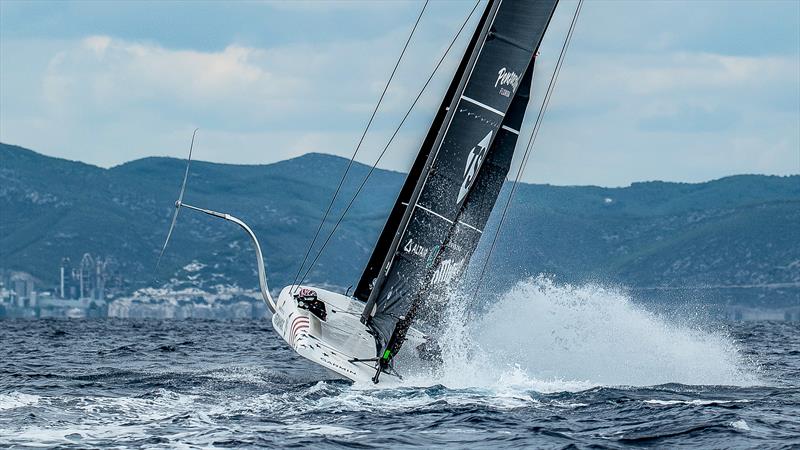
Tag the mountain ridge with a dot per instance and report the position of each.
(733, 230)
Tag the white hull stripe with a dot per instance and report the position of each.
(434, 213)
(510, 129)
(470, 226)
(484, 106)
(446, 219)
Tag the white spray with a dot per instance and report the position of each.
(548, 337)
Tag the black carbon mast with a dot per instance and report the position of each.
(454, 182)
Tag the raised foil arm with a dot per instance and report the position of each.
(262, 273)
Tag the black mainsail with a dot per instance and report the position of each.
(454, 182)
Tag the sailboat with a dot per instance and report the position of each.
(439, 215)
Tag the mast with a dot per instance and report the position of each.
(398, 216)
(464, 168)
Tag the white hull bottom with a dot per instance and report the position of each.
(335, 342)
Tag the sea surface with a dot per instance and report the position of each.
(546, 367)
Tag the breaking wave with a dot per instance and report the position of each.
(547, 337)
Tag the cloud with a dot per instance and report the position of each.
(616, 117)
(637, 99)
(689, 119)
(326, 6)
(287, 99)
(109, 74)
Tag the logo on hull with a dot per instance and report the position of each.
(509, 78)
(415, 249)
(474, 161)
(446, 271)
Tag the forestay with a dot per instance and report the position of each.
(453, 185)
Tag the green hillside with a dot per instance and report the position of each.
(737, 231)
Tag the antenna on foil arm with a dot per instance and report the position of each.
(179, 202)
(262, 272)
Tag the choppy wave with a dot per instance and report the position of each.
(592, 378)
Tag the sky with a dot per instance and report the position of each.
(669, 90)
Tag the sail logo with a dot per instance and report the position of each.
(446, 271)
(474, 162)
(506, 77)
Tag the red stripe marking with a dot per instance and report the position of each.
(299, 324)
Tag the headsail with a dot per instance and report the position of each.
(453, 185)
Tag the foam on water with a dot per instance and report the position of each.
(490, 394)
(14, 400)
(740, 425)
(547, 337)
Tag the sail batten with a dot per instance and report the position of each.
(452, 187)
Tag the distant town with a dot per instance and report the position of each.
(93, 288)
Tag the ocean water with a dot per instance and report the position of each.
(546, 366)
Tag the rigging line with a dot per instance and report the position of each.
(358, 147)
(529, 147)
(391, 139)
